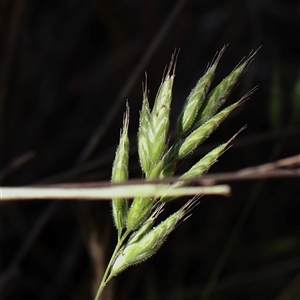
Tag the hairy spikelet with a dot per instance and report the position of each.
(160, 119)
(152, 139)
(219, 95)
(119, 174)
(205, 163)
(203, 132)
(195, 99)
(143, 134)
(146, 246)
(202, 166)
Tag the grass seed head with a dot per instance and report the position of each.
(197, 121)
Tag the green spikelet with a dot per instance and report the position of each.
(219, 95)
(202, 166)
(152, 138)
(146, 246)
(160, 119)
(203, 132)
(196, 98)
(119, 174)
(205, 163)
(143, 134)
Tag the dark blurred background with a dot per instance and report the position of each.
(67, 69)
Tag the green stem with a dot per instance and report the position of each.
(106, 278)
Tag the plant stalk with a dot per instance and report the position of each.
(106, 278)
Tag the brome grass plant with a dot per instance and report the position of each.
(138, 236)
